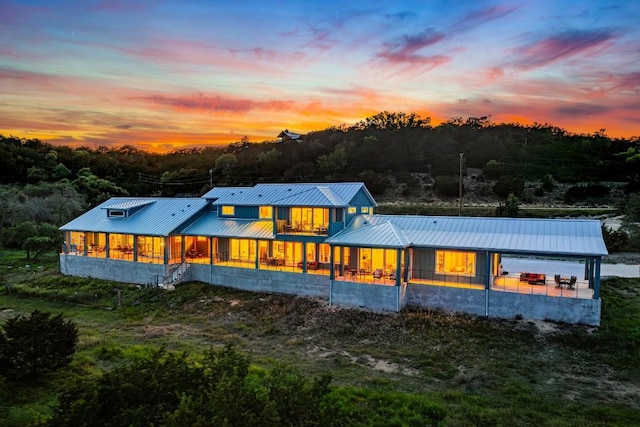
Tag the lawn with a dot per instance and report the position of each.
(481, 371)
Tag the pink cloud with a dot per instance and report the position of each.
(559, 47)
(217, 103)
(481, 16)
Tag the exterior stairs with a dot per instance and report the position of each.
(175, 276)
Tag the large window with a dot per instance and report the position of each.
(461, 263)
(151, 249)
(243, 249)
(310, 220)
(228, 210)
(266, 212)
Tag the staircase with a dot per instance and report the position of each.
(175, 276)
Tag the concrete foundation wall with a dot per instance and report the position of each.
(109, 269)
(542, 307)
(506, 304)
(448, 299)
(371, 296)
(262, 280)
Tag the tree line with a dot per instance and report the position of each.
(42, 186)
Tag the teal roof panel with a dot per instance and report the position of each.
(211, 225)
(156, 217)
(580, 237)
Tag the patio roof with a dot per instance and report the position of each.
(210, 225)
(574, 237)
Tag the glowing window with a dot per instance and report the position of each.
(228, 210)
(351, 210)
(461, 263)
(266, 212)
(364, 209)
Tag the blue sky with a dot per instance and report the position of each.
(163, 75)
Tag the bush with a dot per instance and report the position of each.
(447, 186)
(169, 390)
(32, 345)
(506, 185)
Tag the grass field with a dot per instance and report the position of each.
(483, 372)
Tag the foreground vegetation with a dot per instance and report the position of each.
(458, 370)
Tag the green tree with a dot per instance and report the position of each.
(220, 390)
(96, 189)
(35, 344)
(333, 162)
(38, 245)
(226, 163)
(510, 207)
(513, 184)
(632, 208)
(548, 183)
(447, 186)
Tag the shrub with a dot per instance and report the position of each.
(34, 344)
(509, 184)
(169, 390)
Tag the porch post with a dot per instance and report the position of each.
(596, 282)
(135, 248)
(398, 264)
(489, 270)
(407, 261)
(106, 245)
(304, 257)
(332, 271)
(165, 255)
(257, 260)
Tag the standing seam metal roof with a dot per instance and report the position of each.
(552, 236)
(160, 216)
(210, 225)
(292, 194)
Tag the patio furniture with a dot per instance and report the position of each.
(556, 278)
(377, 274)
(533, 278)
(572, 282)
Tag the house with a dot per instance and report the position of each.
(325, 240)
(285, 135)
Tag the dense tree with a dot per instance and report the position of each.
(507, 185)
(96, 189)
(34, 344)
(169, 390)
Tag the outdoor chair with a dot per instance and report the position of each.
(556, 278)
(572, 282)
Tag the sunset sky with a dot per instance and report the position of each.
(163, 75)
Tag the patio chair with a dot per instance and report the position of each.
(377, 274)
(556, 278)
(572, 282)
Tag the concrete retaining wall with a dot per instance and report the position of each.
(448, 299)
(371, 296)
(262, 280)
(109, 269)
(506, 304)
(542, 307)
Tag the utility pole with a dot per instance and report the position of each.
(461, 154)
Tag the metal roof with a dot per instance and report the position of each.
(129, 204)
(160, 216)
(291, 194)
(384, 234)
(217, 192)
(210, 225)
(515, 235)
